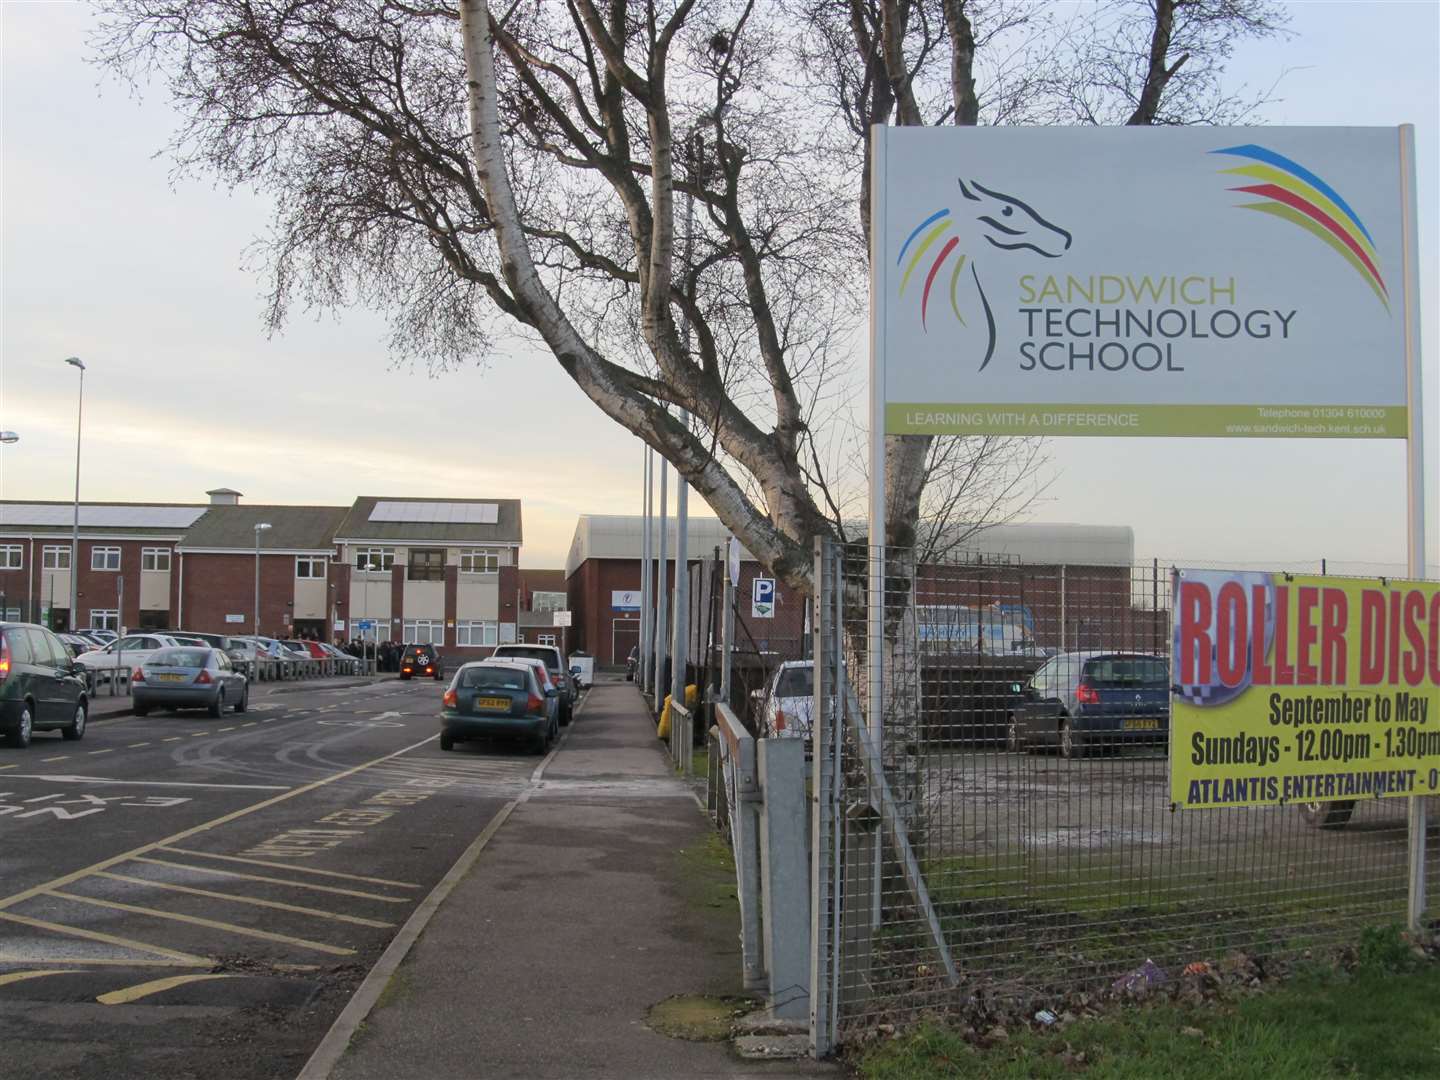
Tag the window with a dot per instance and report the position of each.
(104, 619)
(55, 557)
(310, 566)
(155, 559)
(11, 556)
(382, 559)
(545, 639)
(548, 601)
(426, 564)
(104, 558)
(474, 632)
(424, 631)
(479, 561)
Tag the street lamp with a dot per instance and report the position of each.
(74, 621)
(260, 526)
(8, 437)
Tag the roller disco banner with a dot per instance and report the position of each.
(1136, 281)
(1303, 689)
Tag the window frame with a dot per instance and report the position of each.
(99, 553)
(487, 558)
(384, 556)
(410, 631)
(562, 600)
(109, 619)
(153, 555)
(6, 550)
(55, 550)
(466, 630)
(548, 639)
(432, 562)
(310, 561)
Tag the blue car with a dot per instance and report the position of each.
(1091, 701)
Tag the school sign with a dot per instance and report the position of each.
(1134, 281)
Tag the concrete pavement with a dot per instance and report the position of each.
(583, 911)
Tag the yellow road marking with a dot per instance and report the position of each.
(87, 961)
(155, 986)
(245, 900)
(197, 734)
(7, 766)
(286, 866)
(212, 924)
(274, 881)
(225, 729)
(195, 830)
(57, 757)
(134, 745)
(181, 959)
(269, 719)
(21, 976)
(172, 738)
(94, 752)
(250, 724)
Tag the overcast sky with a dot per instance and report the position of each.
(105, 258)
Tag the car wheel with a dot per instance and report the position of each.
(244, 702)
(447, 742)
(20, 734)
(1327, 815)
(1014, 741)
(1071, 744)
(76, 730)
(218, 705)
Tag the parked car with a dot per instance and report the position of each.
(582, 667)
(422, 660)
(190, 676)
(100, 637)
(41, 686)
(555, 664)
(305, 660)
(1083, 701)
(345, 662)
(78, 644)
(784, 707)
(496, 699)
(124, 654)
(632, 663)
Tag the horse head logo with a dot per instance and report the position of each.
(1002, 221)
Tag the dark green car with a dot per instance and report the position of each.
(491, 699)
(41, 687)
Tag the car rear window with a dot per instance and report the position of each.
(19, 646)
(796, 682)
(1151, 671)
(493, 678)
(546, 656)
(181, 658)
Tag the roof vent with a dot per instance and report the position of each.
(224, 497)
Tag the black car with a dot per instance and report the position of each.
(422, 660)
(41, 687)
(632, 662)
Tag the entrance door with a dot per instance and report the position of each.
(624, 636)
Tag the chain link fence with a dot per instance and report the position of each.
(986, 843)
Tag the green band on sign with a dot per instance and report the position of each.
(1207, 421)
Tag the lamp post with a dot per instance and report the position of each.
(74, 620)
(260, 526)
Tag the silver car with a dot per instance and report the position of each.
(189, 677)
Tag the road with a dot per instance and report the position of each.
(188, 897)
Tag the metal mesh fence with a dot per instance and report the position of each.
(1046, 859)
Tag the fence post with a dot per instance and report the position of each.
(784, 897)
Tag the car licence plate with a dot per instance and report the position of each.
(1142, 725)
(170, 678)
(492, 703)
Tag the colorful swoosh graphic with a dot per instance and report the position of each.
(1292, 192)
(934, 227)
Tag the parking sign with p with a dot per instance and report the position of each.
(762, 598)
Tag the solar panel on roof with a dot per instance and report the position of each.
(435, 513)
(101, 517)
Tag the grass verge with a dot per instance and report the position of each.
(1379, 1022)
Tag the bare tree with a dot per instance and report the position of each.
(480, 175)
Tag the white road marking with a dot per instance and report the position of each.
(143, 783)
